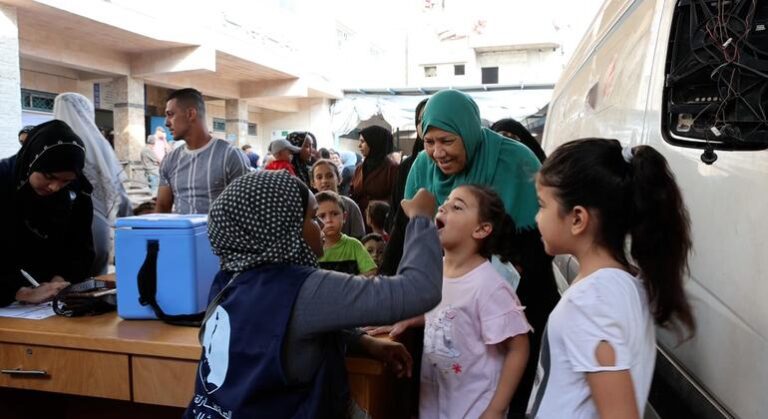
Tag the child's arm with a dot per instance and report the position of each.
(612, 391)
(396, 329)
(515, 361)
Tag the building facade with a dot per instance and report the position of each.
(127, 56)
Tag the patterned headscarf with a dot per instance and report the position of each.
(301, 167)
(258, 220)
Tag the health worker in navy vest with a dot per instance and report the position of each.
(277, 328)
(459, 151)
(45, 216)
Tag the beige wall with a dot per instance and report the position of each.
(54, 83)
(54, 79)
(10, 80)
(155, 97)
(216, 109)
(313, 115)
(254, 140)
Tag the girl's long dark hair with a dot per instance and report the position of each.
(639, 199)
(503, 238)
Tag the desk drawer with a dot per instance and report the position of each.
(370, 385)
(167, 382)
(68, 371)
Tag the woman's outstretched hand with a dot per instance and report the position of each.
(396, 329)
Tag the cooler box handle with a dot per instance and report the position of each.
(147, 284)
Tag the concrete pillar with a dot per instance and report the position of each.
(236, 111)
(10, 82)
(130, 135)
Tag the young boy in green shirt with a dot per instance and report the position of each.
(342, 253)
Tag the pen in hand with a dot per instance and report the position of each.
(29, 278)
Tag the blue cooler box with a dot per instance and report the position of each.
(186, 264)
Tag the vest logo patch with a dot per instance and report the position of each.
(215, 360)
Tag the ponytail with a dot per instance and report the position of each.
(503, 240)
(661, 238)
(632, 193)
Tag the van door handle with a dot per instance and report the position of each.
(25, 373)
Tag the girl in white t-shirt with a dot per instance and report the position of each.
(476, 339)
(598, 350)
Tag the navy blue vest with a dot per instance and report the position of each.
(241, 369)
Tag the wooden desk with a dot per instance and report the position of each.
(137, 361)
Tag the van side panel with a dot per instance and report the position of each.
(607, 96)
(728, 205)
(728, 201)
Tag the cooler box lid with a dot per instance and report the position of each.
(164, 221)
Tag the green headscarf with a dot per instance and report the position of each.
(492, 160)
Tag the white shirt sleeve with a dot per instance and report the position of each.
(593, 319)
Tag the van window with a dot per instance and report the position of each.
(716, 90)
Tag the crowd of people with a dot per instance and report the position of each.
(449, 252)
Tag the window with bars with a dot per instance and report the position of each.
(219, 124)
(490, 75)
(37, 101)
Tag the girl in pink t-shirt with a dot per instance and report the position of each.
(476, 339)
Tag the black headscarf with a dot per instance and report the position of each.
(522, 134)
(301, 168)
(397, 220)
(419, 144)
(380, 144)
(50, 147)
(258, 220)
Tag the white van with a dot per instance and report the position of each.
(690, 78)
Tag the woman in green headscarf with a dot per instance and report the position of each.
(459, 151)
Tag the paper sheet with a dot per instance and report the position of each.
(28, 311)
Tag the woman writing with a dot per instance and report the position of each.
(46, 215)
